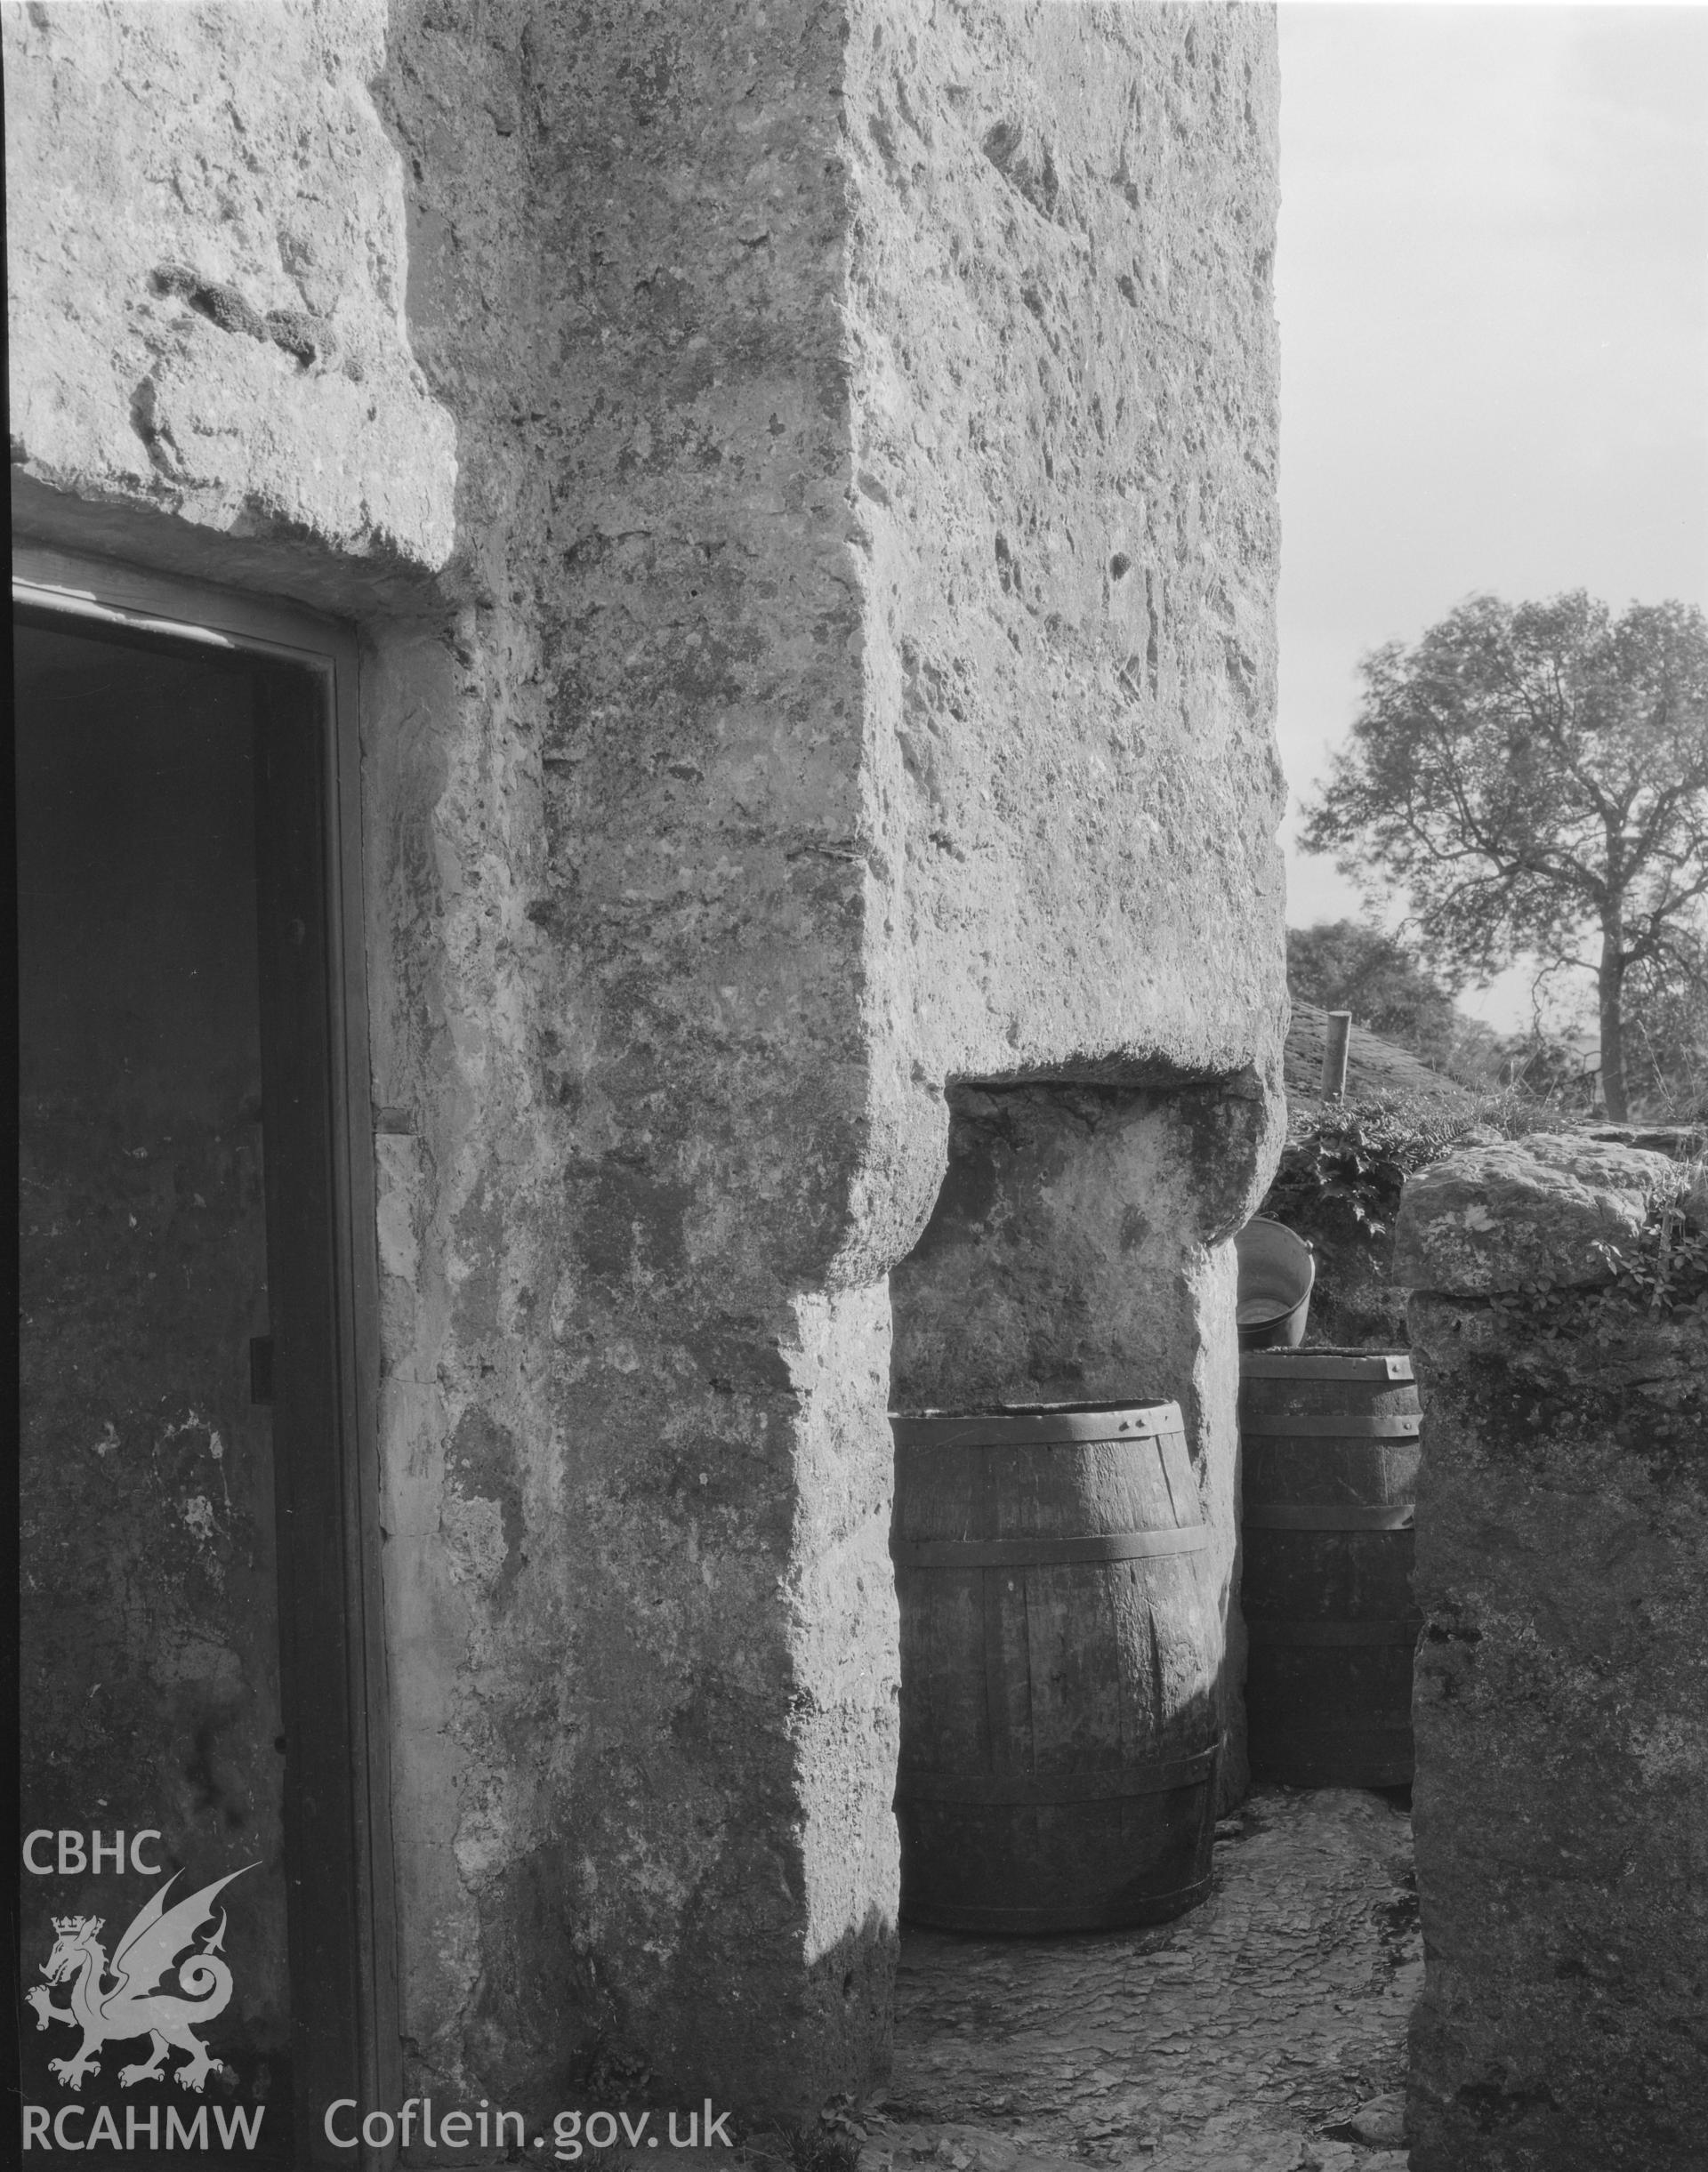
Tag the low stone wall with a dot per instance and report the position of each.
(1561, 1699)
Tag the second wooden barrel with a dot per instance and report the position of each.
(1060, 1645)
(1329, 1454)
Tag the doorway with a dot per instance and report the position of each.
(201, 1789)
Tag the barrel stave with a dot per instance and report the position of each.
(1067, 1489)
(1054, 1675)
(1319, 1398)
(1325, 1575)
(944, 1719)
(1329, 1470)
(1076, 1666)
(1329, 1613)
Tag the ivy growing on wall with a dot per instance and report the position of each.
(1345, 1165)
(1660, 1273)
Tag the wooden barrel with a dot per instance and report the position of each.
(1060, 1643)
(1329, 1453)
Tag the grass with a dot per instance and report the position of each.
(814, 2147)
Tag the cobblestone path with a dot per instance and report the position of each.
(1241, 2039)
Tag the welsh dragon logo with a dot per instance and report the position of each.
(132, 2003)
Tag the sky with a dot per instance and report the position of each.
(1492, 281)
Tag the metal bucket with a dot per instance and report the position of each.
(1276, 1270)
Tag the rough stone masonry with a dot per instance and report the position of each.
(1562, 1678)
(804, 475)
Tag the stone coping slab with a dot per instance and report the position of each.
(1525, 1211)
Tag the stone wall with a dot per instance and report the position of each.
(1562, 1678)
(206, 274)
(806, 478)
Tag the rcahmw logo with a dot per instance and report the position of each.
(115, 2000)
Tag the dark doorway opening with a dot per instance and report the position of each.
(196, 1516)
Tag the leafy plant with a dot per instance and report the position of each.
(841, 2116)
(1663, 1271)
(1345, 1164)
(1344, 1168)
(817, 2146)
(1667, 1266)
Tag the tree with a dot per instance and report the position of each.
(1546, 1067)
(1344, 965)
(1666, 1054)
(1535, 778)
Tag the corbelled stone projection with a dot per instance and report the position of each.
(805, 477)
(1562, 1678)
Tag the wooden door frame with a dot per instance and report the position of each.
(360, 1920)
